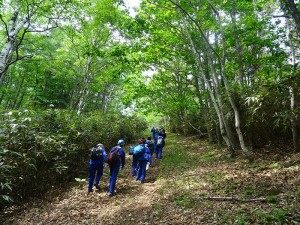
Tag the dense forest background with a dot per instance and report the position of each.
(77, 72)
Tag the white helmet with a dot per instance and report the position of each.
(100, 145)
(121, 142)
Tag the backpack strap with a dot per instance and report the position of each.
(116, 149)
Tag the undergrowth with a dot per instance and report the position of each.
(194, 173)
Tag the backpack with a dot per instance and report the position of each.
(138, 150)
(96, 153)
(160, 141)
(131, 150)
(149, 144)
(114, 156)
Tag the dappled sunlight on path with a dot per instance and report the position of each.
(195, 183)
(77, 207)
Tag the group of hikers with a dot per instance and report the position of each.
(141, 159)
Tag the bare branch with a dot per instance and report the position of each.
(6, 28)
(236, 199)
(279, 16)
(197, 25)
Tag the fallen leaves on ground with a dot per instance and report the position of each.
(218, 190)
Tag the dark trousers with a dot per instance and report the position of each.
(114, 170)
(142, 170)
(134, 165)
(159, 151)
(93, 169)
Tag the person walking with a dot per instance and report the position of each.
(155, 136)
(116, 161)
(150, 145)
(97, 157)
(134, 164)
(160, 143)
(153, 131)
(143, 154)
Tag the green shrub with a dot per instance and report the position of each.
(45, 148)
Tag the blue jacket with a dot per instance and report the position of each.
(99, 161)
(147, 154)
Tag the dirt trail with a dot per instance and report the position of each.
(131, 205)
(205, 187)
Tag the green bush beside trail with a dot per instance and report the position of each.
(45, 148)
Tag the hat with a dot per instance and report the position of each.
(100, 145)
(121, 142)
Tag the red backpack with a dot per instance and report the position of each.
(114, 155)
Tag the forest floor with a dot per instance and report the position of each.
(194, 183)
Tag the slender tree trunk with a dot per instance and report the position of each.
(18, 93)
(106, 98)
(210, 91)
(294, 120)
(7, 50)
(218, 135)
(293, 103)
(1, 98)
(204, 108)
(85, 90)
(244, 148)
(20, 102)
(224, 128)
(219, 97)
(238, 45)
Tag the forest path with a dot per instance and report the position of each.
(131, 205)
(178, 190)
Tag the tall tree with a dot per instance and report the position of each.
(19, 18)
(293, 9)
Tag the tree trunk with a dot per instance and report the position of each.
(294, 120)
(245, 150)
(214, 93)
(7, 51)
(17, 96)
(20, 102)
(238, 45)
(85, 89)
(218, 135)
(292, 8)
(218, 109)
(204, 108)
(293, 103)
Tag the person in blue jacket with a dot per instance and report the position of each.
(150, 145)
(134, 165)
(114, 168)
(153, 131)
(143, 160)
(155, 135)
(159, 147)
(135, 161)
(96, 167)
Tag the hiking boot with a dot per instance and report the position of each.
(111, 194)
(97, 186)
(90, 191)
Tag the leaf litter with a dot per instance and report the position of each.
(215, 190)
